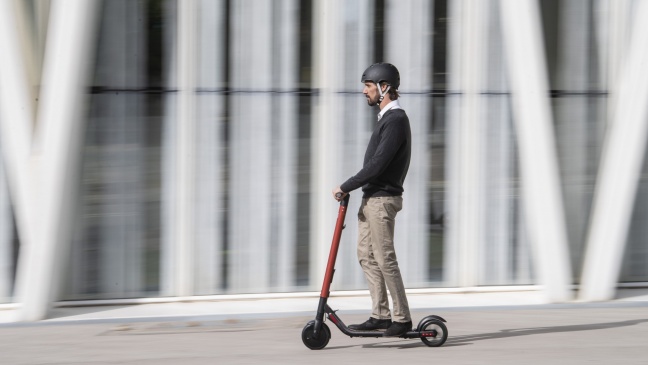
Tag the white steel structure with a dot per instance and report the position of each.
(179, 148)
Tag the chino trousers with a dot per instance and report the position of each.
(377, 256)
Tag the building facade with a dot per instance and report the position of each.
(209, 134)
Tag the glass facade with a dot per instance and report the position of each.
(117, 248)
(278, 112)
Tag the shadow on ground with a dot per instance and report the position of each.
(506, 333)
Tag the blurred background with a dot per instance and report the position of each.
(278, 120)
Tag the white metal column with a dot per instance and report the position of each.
(209, 203)
(621, 163)
(184, 240)
(409, 48)
(250, 148)
(498, 264)
(284, 181)
(342, 126)
(541, 193)
(357, 122)
(325, 135)
(465, 132)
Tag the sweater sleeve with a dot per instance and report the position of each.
(391, 138)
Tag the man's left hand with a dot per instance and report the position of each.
(338, 194)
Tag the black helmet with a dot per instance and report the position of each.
(379, 72)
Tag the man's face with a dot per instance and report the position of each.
(370, 91)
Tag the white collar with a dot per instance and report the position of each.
(392, 105)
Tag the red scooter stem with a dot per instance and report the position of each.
(330, 266)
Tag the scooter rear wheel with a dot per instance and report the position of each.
(440, 333)
(312, 342)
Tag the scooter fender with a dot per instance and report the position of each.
(427, 319)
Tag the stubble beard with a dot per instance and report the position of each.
(372, 102)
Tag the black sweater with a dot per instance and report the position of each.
(387, 158)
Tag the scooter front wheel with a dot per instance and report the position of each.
(434, 333)
(312, 342)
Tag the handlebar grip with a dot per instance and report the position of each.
(344, 202)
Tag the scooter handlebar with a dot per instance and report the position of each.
(345, 201)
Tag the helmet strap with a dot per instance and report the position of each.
(382, 94)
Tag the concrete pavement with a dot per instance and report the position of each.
(516, 332)
(577, 335)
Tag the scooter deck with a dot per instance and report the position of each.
(375, 333)
(380, 333)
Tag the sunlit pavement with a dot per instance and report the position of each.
(488, 328)
(242, 306)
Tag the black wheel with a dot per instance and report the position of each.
(434, 333)
(312, 342)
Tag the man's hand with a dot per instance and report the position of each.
(338, 194)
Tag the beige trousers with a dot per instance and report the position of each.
(377, 256)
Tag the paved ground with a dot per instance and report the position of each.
(611, 333)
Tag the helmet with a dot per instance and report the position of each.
(379, 72)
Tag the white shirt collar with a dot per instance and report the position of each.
(392, 105)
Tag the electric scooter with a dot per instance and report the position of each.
(316, 334)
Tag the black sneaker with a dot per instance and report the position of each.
(372, 324)
(398, 329)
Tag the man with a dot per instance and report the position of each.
(382, 176)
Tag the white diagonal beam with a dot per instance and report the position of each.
(542, 198)
(621, 163)
(16, 112)
(56, 152)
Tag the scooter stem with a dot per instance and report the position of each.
(330, 266)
